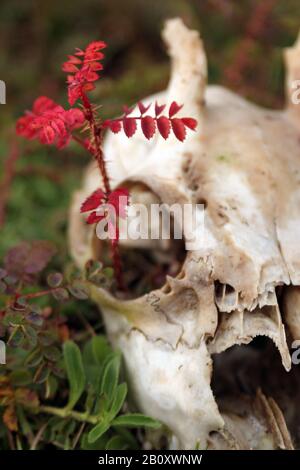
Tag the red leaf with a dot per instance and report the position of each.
(159, 108)
(127, 110)
(119, 204)
(148, 126)
(95, 66)
(129, 126)
(42, 104)
(47, 135)
(88, 86)
(178, 128)
(74, 60)
(79, 52)
(117, 193)
(83, 65)
(93, 201)
(93, 218)
(143, 109)
(90, 75)
(174, 108)
(190, 123)
(39, 256)
(164, 126)
(49, 122)
(69, 67)
(114, 126)
(95, 45)
(74, 118)
(28, 258)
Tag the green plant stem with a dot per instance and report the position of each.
(65, 413)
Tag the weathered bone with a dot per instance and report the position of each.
(251, 424)
(243, 164)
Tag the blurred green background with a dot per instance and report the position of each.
(243, 40)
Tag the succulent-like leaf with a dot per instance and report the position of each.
(178, 128)
(136, 420)
(174, 108)
(129, 126)
(164, 126)
(118, 400)
(148, 126)
(75, 372)
(98, 431)
(110, 375)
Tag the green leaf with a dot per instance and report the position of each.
(98, 431)
(118, 400)
(95, 354)
(75, 372)
(87, 353)
(99, 444)
(55, 279)
(110, 375)
(30, 334)
(92, 267)
(21, 377)
(117, 443)
(52, 353)
(100, 348)
(34, 358)
(41, 375)
(61, 294)
(46, 338)
(51, 387)
(79, 290)
(93, 376)
(136, 420)
(108, 272)
(35, 319)
(16, 337)
(127, 435)
(13, 319)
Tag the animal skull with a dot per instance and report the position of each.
(244, 164)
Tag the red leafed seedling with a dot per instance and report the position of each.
(50, 123)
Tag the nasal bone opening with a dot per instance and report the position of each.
(150, 247)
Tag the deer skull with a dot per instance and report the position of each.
(243, 163)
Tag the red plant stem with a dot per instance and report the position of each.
(35, 295)
(32, 295)
(97, 133)
(9, 172)
(97, 137)
(117, 264)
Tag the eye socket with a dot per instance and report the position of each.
(145, 262)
